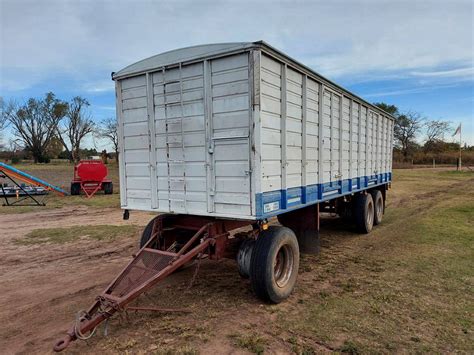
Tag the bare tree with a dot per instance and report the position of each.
(76, 125)
(35, 123)
(108, 130)
(3, 116)
(3, 120)
(435, 130)
(407, 127)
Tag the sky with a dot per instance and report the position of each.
(417, 54)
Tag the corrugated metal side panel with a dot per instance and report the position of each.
(316, 143)
(134, 120)
(355, 140)
(346, 138)
(294, 128)
(230, 185)
(312, 132)
(351, 134)
(331, 136)
(363, 142)
(270, 117)
(370, 143)
(180, 139)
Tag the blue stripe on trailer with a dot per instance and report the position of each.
(7, 168)
(273, 203)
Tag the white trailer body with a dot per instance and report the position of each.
(240, 130)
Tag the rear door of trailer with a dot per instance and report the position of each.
(186, 138)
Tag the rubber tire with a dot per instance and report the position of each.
(363, 207)
(108, 188)
(244, 257)
(378, 206)
(264, 253)
(146, 234)
(75, 188)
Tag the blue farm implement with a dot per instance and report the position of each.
(20, 191)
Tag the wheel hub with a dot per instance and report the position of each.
(283, 266)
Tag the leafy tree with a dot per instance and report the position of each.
(75, 127)
(35, 122)
(406, 128)
(89, 152)
(54, 148)
(108, 130)
(391, 109)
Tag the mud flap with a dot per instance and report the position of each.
(304, 222)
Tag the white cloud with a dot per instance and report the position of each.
(466, 73)
(99, 86)
(415, 90)
(105, 108)
(337, 38)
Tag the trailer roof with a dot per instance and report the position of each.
(179, 56)
(189, 54)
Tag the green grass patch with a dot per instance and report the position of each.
(65, 235)
(251, 342)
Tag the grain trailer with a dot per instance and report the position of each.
(221, 138)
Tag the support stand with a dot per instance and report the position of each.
(27, 196)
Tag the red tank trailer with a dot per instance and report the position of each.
(90, 176)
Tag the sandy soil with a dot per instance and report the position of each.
(42, 286)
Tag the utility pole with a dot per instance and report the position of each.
(459, 130)
(460, 146)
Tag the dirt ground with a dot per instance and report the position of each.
(403, 288)
(42, 285)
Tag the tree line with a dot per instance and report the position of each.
(45, 125)
(48, 124)
(419, 139)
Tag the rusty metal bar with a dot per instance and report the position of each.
(154, 309)
(162, 252)
(192, 240)
(98, 318)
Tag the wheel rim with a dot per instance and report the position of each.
(283, 266)
(379, 208)
(370, 214)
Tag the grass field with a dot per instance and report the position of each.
(405, 288)
(408, 286)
